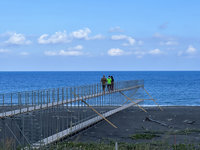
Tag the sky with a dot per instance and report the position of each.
(77, 35)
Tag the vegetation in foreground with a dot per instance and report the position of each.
(147, 136)
(122, 146)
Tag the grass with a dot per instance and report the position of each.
(147, 136)
(152, 133)
(109, 144)
(80, 146)
(185, 132)
(121, 146)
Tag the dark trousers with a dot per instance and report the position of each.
(109, 87)
(103, 87)
(112, 86)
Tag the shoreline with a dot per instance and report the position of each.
(168, 105)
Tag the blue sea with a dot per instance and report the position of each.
(168, 87)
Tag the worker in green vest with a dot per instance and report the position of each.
(109, 80)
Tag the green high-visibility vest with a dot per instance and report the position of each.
(109, 81)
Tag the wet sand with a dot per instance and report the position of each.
(179, 124)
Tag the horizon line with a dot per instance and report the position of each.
(99, 70)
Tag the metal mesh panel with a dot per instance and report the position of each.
(35, 118)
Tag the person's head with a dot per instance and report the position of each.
(111, 77)
(108, 76)
(104, 76)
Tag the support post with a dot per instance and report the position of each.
(153, 99)
(97, 112)
(132, 101)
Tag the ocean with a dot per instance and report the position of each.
(167, 87)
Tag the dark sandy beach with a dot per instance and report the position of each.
(177, 124)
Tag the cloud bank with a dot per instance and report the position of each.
(63, 37)
(17, 39)
(115, 52)
(129, 39)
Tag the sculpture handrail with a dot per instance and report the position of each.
(41, 99)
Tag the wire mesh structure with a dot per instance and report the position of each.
(33, 119)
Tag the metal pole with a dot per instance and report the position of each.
(116, 146)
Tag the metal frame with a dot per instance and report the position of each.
(37, 118)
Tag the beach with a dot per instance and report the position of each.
(173, 125)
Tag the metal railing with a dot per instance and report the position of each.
(27, 118)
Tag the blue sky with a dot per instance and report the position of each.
(99, 35)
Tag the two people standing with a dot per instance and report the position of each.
(109, 82)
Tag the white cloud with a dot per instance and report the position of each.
(96, 37)
(17, 39)
(63, 37)
(115, 52)
(129, 39)
(169, 43)
(24, 53)
(58, 37)
(118, 37)
(69, 53)
(81, 34)
(4, 51)
(78, 47)
(155, 52)
(116, 29)
(191, 50)
(139, 54)
(6, 34)
(63, 53)
(84, 34)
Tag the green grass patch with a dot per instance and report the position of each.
(81, 146)
(121, 146)
(173, 132)
(154, 132)
(147, 136)
(185, 132)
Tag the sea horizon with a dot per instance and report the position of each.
(168, 87)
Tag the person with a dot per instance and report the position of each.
(103, 81)
(109, 80)
(112, 83)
